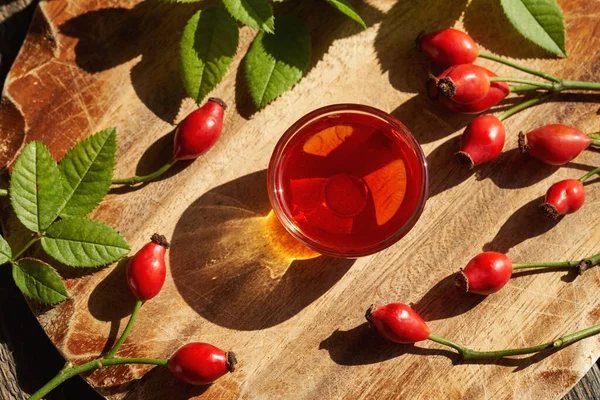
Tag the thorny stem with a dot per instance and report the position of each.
(125, 333)
(519, 67)
(70, 372)
(27, 246)
(522, 106)
(563, 341)
(145, 178)
(589, 175)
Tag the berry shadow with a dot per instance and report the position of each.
(363, 345)
(159, 384)
(395, 42)
(525, 223)
(112, 301)
(444, 300)
(227, 270)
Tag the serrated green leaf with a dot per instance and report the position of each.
(87, 171)
(208, 44)
(346, 8)
(540, 21)
(39, 281)
(276, 62)
(257, 14)
(81, 242)
(5, 251)
(36, 187)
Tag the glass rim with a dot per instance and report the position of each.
(288, 223)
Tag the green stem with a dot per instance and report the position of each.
(541, 85)
(145, 178)
(70, 372)
(519, 67)
(559, 264)
(580, 85)
(24, 249)
(589, 175)
(468, 354)
(3, 192)
(125, 333)
(522, 106)
(523, 88)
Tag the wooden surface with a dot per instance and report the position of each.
(86, 67)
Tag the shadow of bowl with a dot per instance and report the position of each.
(226, 268)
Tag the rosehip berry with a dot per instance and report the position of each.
(482, 141)
(199, 130)
(201, 363)
(146, 270)
(554, 144)
(498, 92)
(485, 274)
(563, 197)
(398, 322)
(465, 84)
(448, 47)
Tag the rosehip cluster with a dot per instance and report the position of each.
(470, 89)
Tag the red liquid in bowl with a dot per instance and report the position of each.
(350, 183)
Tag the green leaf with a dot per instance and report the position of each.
(207, 47)
(257, 14)
(5, 251)
(346, 8)
(36, 187)
(81, 242)
(540, 21)
(39, 281)
(87, 171)
(276, 62)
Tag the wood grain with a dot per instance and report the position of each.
(85, 67)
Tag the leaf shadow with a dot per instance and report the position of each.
(485, 19)
(113, 36)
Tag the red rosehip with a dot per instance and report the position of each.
(554, 144)
(448, 47)
(199, 130)
(398, 322)
(482, 141)
(146, 270)
(201, 363)
(563, 197)
(485, 274)
(464, 84)
(498, 92)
